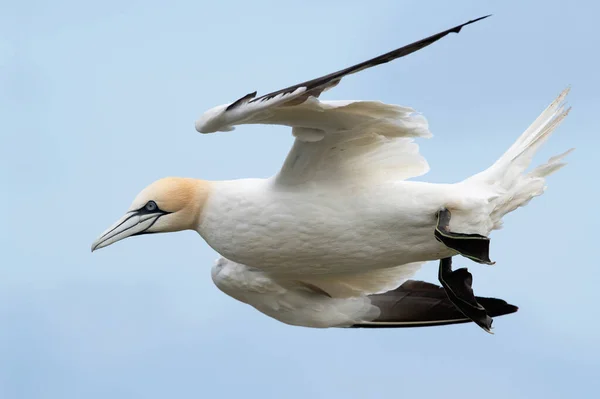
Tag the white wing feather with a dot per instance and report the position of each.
(372, 141)
(341, 141)
(290, 302)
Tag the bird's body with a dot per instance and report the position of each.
(332, 238)
(321, 229)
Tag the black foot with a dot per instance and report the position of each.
(473, 246)
(458, 288)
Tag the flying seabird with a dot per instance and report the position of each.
(333, 238)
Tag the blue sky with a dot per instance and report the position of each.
(98, 99)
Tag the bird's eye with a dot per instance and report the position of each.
(151, 206)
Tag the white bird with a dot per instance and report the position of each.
(333, 237)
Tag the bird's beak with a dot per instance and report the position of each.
(133, 223)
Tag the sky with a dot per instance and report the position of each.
(99, 98)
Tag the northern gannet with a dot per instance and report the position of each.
(334, 237)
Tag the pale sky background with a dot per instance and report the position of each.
(98, 99)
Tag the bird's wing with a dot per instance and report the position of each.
(304, 303)
(291, 302)
(335, 140)
(421, 304)
(375, 144)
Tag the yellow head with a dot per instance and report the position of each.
(169, 204)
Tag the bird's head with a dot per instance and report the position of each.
(169, 204)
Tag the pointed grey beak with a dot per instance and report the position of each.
(133, 223)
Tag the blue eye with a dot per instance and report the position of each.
(151, 206)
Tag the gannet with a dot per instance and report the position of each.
(332, 239)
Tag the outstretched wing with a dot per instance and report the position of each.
(309, 304)
(337, 141)
(250, 109)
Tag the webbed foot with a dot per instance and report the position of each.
(458, 286)
(473, 246)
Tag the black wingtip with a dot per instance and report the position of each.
(478, 19)
(484, 17)
(241, 101)
(459, 27)
(497, 307)
(421, 304)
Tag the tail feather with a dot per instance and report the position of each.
(551, 166)
(507, 184)
(542, 126)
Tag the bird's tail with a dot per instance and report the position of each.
(506, 179)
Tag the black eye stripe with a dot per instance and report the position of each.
(149, 207)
